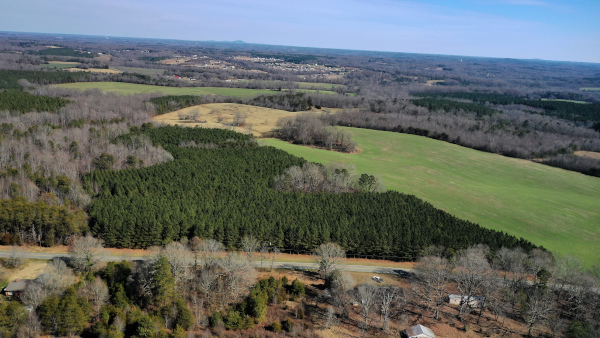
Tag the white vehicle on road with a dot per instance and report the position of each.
(377, 279)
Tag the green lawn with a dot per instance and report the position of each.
(132, 88)
(552, 207)
(143, 71)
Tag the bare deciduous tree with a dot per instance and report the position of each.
(208, 250)
(538, 308)
(274, 252)
(179, 256)
(32, 328)
(330, 319)
(239, 273)
(263, 251)
(84, 252)
(340, 293)
(471, 273)
(15, 259)
(34, 294)
(386, 296)
(538, 260)
(249, 245)
(195, 245)
(329, 257)
(97, 293)
(56, 277)
(433, 273)
(365, 296)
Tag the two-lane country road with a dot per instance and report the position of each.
(278, 265)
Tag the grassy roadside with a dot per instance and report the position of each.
(281, 258)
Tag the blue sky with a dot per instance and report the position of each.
(544, 29)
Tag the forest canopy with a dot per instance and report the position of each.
(225, 193)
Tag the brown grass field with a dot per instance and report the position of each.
(588, 154)
(257, 120)
(96, 70)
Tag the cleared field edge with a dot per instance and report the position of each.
(546, 205)
(259, 121)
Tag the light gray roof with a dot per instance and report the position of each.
(18, 285)
(419, 330)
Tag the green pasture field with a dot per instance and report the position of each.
(590, 89)
(555, 208)
(143, 71)
(132, 88)
(563, 100)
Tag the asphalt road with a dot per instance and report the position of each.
(278, 265)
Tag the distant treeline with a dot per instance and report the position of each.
(433, 104)
(165, 104)
(225, 193)
(65, 52)
(289, 101)
(23, 102)
(562, 109)
(153, 58)
(9, 78)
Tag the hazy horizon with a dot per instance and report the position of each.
(553, 30)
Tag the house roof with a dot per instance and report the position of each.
(419, 331)
(18, 285)
(472, 298)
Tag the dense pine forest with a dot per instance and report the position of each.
(226, 193)
(23, 102)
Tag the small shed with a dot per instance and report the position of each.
(474, 301)
(418, 331)
(16, 287)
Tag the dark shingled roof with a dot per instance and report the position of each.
(19, 285)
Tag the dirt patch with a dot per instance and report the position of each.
(588, 154)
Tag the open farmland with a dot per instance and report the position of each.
(59, 64)
(132, 88)
(257, 120)
(143, 71)
(95, 70)
(548, 206)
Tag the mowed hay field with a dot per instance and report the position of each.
(132, 88)
(96, 70)
(60, 64)
(258, 120)
(555, 208)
